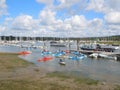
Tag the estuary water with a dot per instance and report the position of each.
(99, 69)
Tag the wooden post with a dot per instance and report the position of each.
(69, 47)
(0, 38)
(77, 45)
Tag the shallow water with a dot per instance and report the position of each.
(100, 69)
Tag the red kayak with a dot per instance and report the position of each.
(44, 59)
(24, 53)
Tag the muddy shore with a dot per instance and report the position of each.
(18, 74)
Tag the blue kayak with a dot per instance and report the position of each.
(77, 57)
(46, 53)
(57, 54)
(75, 53)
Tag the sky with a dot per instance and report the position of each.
(60, 18)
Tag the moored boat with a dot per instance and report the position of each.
(100, 55)
(57, 44)
(98, 47)
(62, 62)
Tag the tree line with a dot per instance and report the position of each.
(24, 38)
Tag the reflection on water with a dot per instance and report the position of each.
(101, 69)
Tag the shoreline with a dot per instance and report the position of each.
(28, 73)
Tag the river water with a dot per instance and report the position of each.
(99, 69)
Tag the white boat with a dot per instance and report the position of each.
(57, 44)
(94, 55)
(99, 55)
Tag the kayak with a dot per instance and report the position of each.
(44, 59)
(24, 52)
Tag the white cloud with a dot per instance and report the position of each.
(76, 26)
(59, 5)
(5, 26)
(79, 21)
(113, 17)
(104, 6)
(2, 28)
(3, 7)
(24, 22)
(113, 5)
(69, 3)
(114, 27)
(97, 5)
(71, 7)
(95, 24)
(47, 17)
(76, 22)
(113, 22)
(52, 25)
(47, 2)
(3, 4)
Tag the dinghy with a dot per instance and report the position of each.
(61, 62)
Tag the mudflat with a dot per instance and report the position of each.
(18, 74)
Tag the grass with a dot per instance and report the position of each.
(9, 61)
(117, 87)
(30, 85)
(110, 42)
(87, 81)
(78, 80)
(106, 42)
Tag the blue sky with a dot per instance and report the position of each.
(65, 18)
(29, 7)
